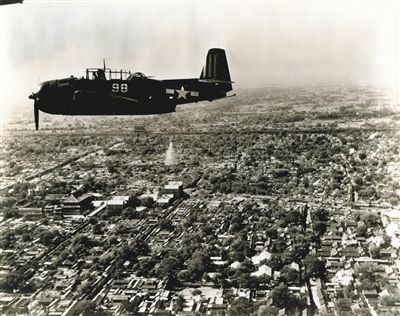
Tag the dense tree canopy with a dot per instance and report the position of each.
(314, 266)
(240, 307)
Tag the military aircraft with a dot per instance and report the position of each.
(3, 2)
(107, 92)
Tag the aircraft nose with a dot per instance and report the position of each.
(35, 95)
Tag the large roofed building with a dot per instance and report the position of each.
(76, 205)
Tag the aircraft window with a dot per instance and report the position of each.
(106, 74)
(101, 74)
(92, 75)
(137, 75)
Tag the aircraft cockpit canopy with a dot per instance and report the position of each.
(137, 75)
(106, 74)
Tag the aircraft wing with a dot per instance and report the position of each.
(3, 2)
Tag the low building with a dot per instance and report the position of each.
(30, 212)
(54, 199)
(54, 211)
(117, 203)
(175, 188)
(165, 199)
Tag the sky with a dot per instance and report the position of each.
(267, 42)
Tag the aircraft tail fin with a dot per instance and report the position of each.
(216, 67)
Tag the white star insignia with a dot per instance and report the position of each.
(182, 93)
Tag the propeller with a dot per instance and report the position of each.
(36, 113)
(35, 109)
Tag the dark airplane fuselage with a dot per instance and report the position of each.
(72, 96)
(107, 92)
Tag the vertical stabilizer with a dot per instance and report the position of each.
(216, 68)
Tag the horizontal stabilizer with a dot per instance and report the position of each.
(214, 81)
